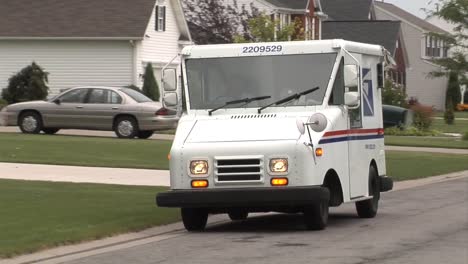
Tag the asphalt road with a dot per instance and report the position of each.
(427, 224)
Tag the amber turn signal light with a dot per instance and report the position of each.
(319, 152)
(279, 181)
(199, 184)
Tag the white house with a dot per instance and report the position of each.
(90, 42)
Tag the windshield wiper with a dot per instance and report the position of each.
(289, 98)
(245, 100)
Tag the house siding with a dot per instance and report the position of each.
(158, 47)
(428, 91)
(70, 63)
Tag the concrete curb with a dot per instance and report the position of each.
(73, 252)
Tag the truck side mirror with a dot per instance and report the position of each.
(352, 99)
(170, 99)
(169, 80)
(351, 75)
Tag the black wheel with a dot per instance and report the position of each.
(30, 123)
(238, 214)
(50, 131)
(194, 219)
(368, 208)
(316, 216)
(126, 127)
(145, 134)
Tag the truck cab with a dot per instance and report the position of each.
(290, 127)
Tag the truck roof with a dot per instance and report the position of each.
(289, 47)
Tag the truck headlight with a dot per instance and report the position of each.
(279, 165)
(199, 167)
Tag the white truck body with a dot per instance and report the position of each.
(330, 137)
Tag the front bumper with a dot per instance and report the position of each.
(247, 197)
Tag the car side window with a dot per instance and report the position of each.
(75, 96)
(114, 98)
(103, 96)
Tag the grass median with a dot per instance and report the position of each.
(40, 215)
(84, 151)
(432, 142)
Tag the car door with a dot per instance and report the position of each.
(67, 109)
(101, 107)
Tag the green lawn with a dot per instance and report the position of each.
(460, 126)
(458, 114)
(84, 151)
(433, 142)
(39, 215)
(414, 165)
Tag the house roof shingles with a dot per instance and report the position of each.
(347, 9)
(75, 19)
(289, 4)
(384, 33)
(409, 17)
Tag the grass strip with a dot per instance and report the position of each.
(403, 166)
(430, 142)
(84, 151)
(40, 215)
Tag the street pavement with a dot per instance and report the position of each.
(426, 224)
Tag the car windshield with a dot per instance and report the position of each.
(214, 81)
(135, 95)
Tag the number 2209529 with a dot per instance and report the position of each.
(262, 49)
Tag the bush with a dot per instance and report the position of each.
(449, 116)
(27, 85)
(465, 136)
(150, 86)
(423, 116)
(410, 131)
(393, 94)
(453, 94)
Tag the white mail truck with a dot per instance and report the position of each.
(293, 127)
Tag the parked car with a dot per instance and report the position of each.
(127, 112)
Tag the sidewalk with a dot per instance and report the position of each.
(17, 171)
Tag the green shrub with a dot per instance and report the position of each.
(410, 131)
(423, 116)
(453, 93)
(150, 86)
(27, 85)
(393, 94)
(449, 116)
(465, 136)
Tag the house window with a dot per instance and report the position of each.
(160, 24)
(435, 47)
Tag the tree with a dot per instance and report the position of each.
(28, 84)
(150, 86)
(456, 13)
(264, 29)
(453, 94)
(213, 21)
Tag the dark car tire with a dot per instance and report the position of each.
(194, 219)
(316, 216)
(145, 134)
(50, 131)
(368, 208)
(126, 127)
(238, 214)
(30, 122)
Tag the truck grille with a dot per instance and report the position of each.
(238, 169)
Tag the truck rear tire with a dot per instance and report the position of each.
(194, 219)
(316, 216)
(368, 208)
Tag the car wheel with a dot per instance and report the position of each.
(126, 127)
(145, 134)
(316, 216)
(50, 131)
(368, 208)
(194, 219)
(30, 123)
(238, 214)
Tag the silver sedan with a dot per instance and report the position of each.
(127, 112)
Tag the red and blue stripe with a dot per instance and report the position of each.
(351, 135)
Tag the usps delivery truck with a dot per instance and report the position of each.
(293, 127)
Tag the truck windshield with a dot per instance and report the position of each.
(214, 81)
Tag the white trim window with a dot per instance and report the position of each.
(435, 47)
(160, 23)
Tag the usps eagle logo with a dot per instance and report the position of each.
(368, 91)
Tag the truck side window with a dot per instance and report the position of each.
(337, 95)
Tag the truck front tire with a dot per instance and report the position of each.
(368, 208)
(194, 219)
(316, 216)
(238, 214)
